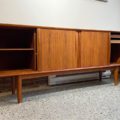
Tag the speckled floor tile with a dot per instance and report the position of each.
(86, 101)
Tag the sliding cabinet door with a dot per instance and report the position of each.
(95, 48)
(57, 49)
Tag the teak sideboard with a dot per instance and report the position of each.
(28, 52)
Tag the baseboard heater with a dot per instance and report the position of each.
(56, 80)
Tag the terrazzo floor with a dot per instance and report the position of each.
(82, 101)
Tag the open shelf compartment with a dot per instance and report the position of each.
(17, 48)
(12, 60)
(115, 37)
(115, 47)
(16, 38)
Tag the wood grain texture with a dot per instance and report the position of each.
(57, 49)
(95, 48)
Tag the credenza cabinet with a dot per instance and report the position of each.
(28, 52)
(53, 49)
(69, 49)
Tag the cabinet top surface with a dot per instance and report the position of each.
(20, 26)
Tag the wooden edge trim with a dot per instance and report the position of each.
(15, 73)
(6, 25)
(43, 74)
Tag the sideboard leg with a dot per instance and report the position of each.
(116, 76)
(19, 89)
(100, 76)
(13, 86)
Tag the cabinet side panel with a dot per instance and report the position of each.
(57, 49)
(94, 48)
(38, 49)
(34, 45)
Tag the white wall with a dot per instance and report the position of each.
(86, 14)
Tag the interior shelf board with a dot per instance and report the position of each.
(115, 36)
(115, 41)
(16, 49)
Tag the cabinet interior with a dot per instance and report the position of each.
(16, 48)
(115, 46)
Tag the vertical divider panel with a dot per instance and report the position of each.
(38, 49)
(109, 47)
(35, 50)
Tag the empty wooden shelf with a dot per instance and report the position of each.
(16, 49)
(115, 36)
(115, 41)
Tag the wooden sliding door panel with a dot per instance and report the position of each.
(94, 48)
(57, 49)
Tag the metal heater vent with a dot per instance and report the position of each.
(102, 0)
